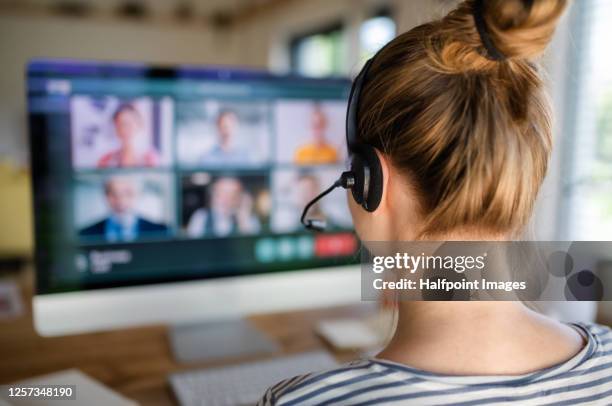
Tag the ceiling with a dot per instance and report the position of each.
(194, 9)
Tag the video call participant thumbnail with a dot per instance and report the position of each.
(226, 208)
(128, 125)
(122, 223)
(226, 150)
(318, 150)
(222, 133)
(108, 132)
(309, 132)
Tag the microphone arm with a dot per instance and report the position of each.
(346, 181)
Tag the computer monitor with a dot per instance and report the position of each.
(168, 195)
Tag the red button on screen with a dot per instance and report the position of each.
(335, 245)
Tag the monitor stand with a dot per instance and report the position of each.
(215, 340)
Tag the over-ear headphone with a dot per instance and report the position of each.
(364, 177)
(364, 163)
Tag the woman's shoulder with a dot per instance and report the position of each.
(324, 386)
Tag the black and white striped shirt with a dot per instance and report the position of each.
(585, 379)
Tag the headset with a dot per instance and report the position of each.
(364, 177)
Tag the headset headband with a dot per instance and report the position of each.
(352, 110)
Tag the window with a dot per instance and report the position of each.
(319, 53)
(587, 174)
(325, 52)
(374, 33)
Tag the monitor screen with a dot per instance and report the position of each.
(148, 175)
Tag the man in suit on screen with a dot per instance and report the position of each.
(123, 222)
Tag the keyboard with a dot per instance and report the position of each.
(243, 384)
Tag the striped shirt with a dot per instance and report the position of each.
(585, 379)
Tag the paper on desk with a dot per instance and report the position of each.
(88, 391)
(357, 333)
(347, 334)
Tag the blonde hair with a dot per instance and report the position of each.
(473, 135)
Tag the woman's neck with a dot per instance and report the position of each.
(478, 338)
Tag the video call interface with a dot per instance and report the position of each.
(145, 175)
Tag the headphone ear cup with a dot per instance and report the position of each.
(367, 170)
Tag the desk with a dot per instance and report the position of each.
(136, 361)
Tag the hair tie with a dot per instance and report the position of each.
(493, 53)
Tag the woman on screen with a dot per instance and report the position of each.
(457, 112)
(318, 150)
(135, 148)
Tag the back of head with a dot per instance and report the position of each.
(471, 133)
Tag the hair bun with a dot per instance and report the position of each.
(521, 29)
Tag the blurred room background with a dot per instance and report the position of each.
(308, 37)
(316, 38)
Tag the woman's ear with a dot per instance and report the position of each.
(384, 166)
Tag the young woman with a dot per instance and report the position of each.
(457, 112)
(134, 149)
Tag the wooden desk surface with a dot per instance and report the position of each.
(136, 362)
